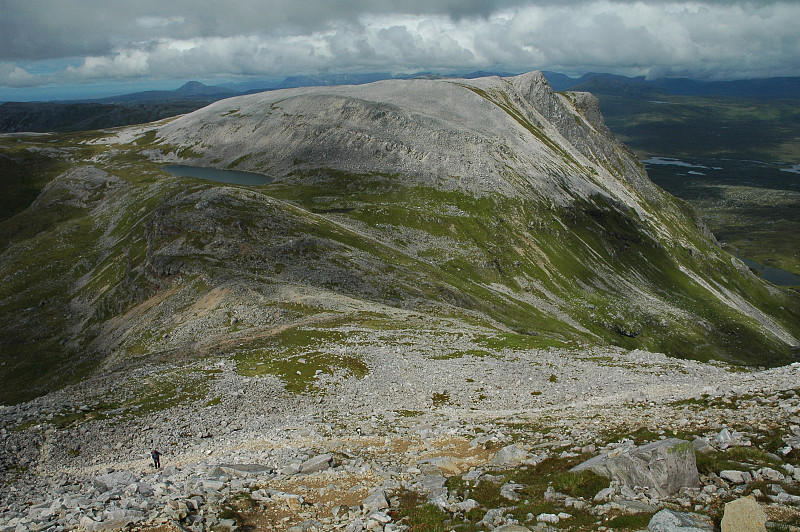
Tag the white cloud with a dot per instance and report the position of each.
(680, 38)
(13, 76)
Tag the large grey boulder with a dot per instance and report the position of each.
(510, 455)
(375, 501)
(672, 521)
(666, 466)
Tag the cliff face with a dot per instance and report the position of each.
(492, 201)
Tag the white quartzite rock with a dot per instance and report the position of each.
(732, 476)
(672, 521)
(548, 518)
(604, 494)
(375, 501)
(509, 455)
(771, 474)
(318, 463)
(509, 491)
(466, 506)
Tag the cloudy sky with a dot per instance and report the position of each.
(54, 46)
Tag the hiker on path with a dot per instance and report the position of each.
(156, 458)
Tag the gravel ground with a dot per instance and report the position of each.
(421, 394)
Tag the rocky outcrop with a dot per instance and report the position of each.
(666, 466)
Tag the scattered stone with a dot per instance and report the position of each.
(466, 506)
(671, 521)
(509, 491)
(291, 501)
(432, 482)
(494, 518)
(260, 495)
(770, 474)
(444, 464)
(245, 469)
(115, 480)
(702, 446)
(552, 519)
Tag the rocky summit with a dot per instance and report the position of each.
(454, 304)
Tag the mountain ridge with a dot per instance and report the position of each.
(494, 201)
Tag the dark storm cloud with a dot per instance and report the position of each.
(37, 30)
(150, 39)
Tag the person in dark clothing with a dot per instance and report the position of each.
(156, 458)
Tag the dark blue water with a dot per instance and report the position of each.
(234, 177)
(774, 275)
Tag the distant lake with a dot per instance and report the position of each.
(774, 275)
(235, 177)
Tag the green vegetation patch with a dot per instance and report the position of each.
(569, 251)
(298, 356)
(535, 480)
(418, 515)
(734, 458)
(440, 399)
(584, 484)
(637, 521)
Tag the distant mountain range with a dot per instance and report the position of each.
(191, 90)
(147, 106)
(113, 111)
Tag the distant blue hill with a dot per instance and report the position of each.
(190, 90)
